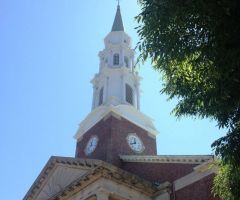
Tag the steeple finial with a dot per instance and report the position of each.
(118, 24)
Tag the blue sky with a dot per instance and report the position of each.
(48, 55)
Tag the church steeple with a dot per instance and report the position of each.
(118, 24)
(116, 83)
(116, 121)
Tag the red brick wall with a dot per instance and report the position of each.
(200, 190)
(112, 134)
(158, 171)
(112, 142)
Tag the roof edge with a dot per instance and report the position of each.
(101, 112)
(180, 159)
(97, 167)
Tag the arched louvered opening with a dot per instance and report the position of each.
(129, 94)
(116, 59)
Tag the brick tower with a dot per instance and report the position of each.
(116, 126)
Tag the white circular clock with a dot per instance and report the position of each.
(135, 143)
(91, 145)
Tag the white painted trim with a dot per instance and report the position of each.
(128, 112)
(109, 71)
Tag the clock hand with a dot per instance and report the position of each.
(133, 142)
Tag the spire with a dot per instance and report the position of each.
(118, 24)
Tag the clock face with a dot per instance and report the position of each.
(91, 145)
(135, 143)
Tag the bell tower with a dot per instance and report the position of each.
(115, 126)
(116, 83)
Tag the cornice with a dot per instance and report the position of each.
(52, 163)
(181, 159)
(108, 173)
(127, 112)
(118, 33)
(107, 71)
(97, 169)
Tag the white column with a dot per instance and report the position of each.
(102, 195)
(138, 96)
(105, 93)
(123, 89)
(110, 59)
(121, 58)
(94, 97)
(101, 63)
(132, 62)
(107, 89)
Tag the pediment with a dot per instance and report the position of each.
(61, 177)
(58, 174)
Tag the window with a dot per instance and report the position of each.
(116, 59)
(126, 61)
(129, 94)
(100, 97)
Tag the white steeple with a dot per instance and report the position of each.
(116, 83)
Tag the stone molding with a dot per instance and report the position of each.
(128, 112)
(49, 168)
(96, 170)
(113, 189)
(182, 159)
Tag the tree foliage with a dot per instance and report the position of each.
(196, 46)
(224, 186)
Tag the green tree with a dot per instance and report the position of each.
(195, 44)
(223, 182)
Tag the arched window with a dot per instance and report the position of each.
(126, 61)
(129, 94)
(100, 101)
(116, 59)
